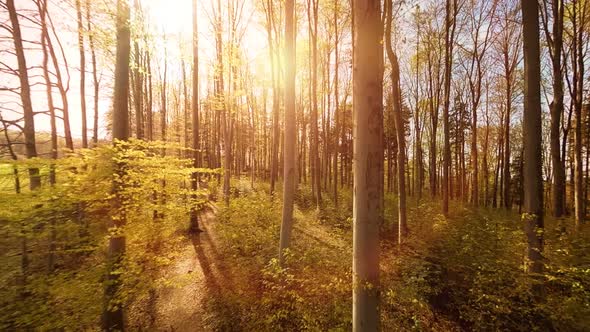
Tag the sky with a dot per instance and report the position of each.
(170, 17)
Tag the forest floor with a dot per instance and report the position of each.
(453, 274)
(182, 307)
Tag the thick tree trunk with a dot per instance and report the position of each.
(578, 45)
(194, 217)
(290, 131)
(25, 95)
(368, 165)
(532, 137)
(113, 318)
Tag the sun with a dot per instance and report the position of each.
(174, 19)
(173, 16)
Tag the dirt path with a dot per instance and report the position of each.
(181, 307)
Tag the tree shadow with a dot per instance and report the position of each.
(217, 273)
(200, 240)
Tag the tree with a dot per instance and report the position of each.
(434, 54)
(399, 123)
(532, 140)
(418, 115)
(290, 130)
(336, 104)
(314, 155)
(510, 40)
(113, 311)
(94, 74)
(273, 42)
(481, 17)
(25, 94)
(63, 87)
(42, 7)
(368, 162)
(82, 74)
(137, 75)
(194, 222)
(451, 23)
(578, 17)
(555, 43)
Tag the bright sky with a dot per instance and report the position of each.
(172, 17)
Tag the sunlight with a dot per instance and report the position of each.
(174, 16)
(176, 21)
(308, 165)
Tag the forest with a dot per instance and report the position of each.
(294, 165)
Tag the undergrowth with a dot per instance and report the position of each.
(465, 272)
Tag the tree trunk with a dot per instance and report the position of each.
(194, 217)
(336, 106)
(25, 95)
(290, 131)
(138, 74)
(368, 165)
(150, 113)
(94, 74)
(449, 40)
(507, 199)
(63, 89)
(113, 312)
(532, 138)
(314, 149)
(164, 106)
(578, 45)
(399, 125)
(275, 97)
(556, 107)
(82, 75)
(42, 7)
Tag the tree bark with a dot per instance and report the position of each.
(399, 125)
(94, 74)
(194, 218)
(579, 8)
(368, 162)
(449, 40)
(113, 318)
(25, 95)
(42, 7)
(532, 137)
(290, 131)
(63, 88)
(314, 149)
(336, 106)
(275, 97)
(82, 74)
(555, 41)
(138, 76)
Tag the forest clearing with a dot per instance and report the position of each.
(294, 165)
